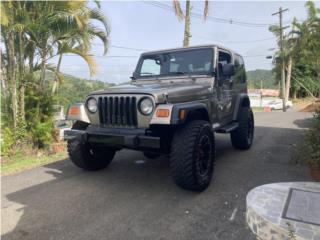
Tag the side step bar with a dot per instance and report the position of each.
(228, 128)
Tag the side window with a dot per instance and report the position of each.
(240, 74)
(150, 67)
(224, 58)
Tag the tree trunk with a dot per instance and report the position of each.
(43, 68)
(294, 94)
(288, 78)
(56, 80)
(12, 79)
(4, 82)
(187, 25)
(22, 80)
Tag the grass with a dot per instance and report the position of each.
(21, 161)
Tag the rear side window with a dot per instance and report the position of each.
(240, 74)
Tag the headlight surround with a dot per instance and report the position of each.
(92, 105)
(146, 106)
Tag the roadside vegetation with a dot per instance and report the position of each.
(308, 150)
(34, 32)
(301, 55)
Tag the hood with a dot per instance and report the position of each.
(181, 90)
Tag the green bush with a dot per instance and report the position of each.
(308, 151)
(42, 134)
(313, 139)
(8, 142)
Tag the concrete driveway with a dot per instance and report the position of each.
(135, 198)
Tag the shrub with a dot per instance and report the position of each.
(8, 141)
(308, 151)
(313, 139)
(42, 134)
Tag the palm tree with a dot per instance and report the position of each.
(77, 40)
(302, 54)
(39, 31)
(8, 36)
(187, 17)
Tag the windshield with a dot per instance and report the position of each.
(184, 62)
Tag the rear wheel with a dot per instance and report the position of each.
(89, 156)
(192, 155)
(242, 137)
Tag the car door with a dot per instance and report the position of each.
(225, 88)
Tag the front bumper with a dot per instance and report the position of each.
(123, 138)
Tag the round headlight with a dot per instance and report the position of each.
(92, 105)
(146, 106)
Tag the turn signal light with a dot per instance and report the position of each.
(73, 110)
(182, 114)
(163, 113)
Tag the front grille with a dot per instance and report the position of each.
(118, 111)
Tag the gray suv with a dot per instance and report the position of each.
(177, 100)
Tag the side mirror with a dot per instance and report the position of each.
(228, 70)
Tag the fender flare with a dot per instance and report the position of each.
(191, 108)
(241, 101)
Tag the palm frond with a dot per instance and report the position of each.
(177, 10)
(96, 14)
(85, 56)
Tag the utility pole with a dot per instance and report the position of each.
(187, 25)
(282, 84)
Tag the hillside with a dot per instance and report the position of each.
(258, 76)
(74, 89)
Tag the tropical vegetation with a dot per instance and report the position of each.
(187, 17)
(301, 55)
(33, 33)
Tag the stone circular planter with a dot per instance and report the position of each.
(285, 211)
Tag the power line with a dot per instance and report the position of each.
(122, 47)
(250, 41)
(210, 18)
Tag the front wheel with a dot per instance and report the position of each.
(89, 156)
(192, 155)
(242, 137)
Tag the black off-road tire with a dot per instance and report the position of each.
(88, 156)
(151, 155)
(242, 137)
(192, 168)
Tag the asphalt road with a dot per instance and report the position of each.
(135, 198)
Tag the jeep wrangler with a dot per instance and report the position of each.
(177, 100)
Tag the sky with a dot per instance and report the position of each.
(146, 26)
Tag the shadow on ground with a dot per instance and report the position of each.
(138, 200)
(303, 123)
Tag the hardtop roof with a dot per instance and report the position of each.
(189, 48)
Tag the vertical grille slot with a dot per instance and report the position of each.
(118, 111)
(105, 111)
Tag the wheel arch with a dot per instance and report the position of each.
(241, 101)
(193, 111)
